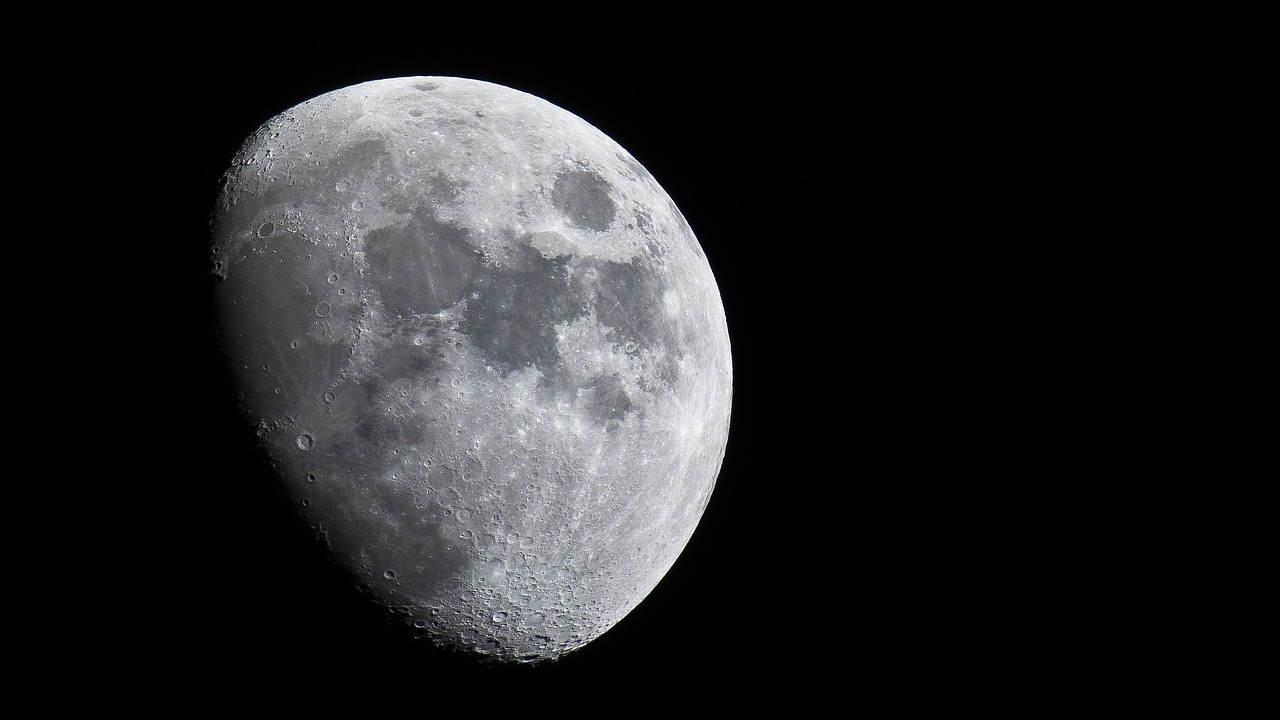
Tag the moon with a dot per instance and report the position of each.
(484, 352)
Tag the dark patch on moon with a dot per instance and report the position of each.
(403, 537)
(582, 197)
(606, 401)
(627, 298)
(280, 347)
(379, 428)
(365, 155)
(512, 310)
(400, 359)
(421, 268)
(402, 368)
(357, 165)
(416, 564)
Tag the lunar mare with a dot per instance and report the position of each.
(483, 350)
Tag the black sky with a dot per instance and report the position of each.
(750, 133)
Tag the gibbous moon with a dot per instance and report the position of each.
(483, 350)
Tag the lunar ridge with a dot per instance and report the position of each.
(484, 351)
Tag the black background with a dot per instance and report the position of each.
(758, 130)
(909, 216)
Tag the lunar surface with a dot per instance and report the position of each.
(483, 351)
